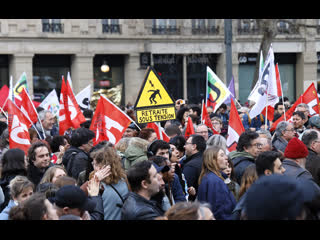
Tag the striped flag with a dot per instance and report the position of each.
(217, 92)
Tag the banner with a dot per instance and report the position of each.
(51, 103)
(83, 98)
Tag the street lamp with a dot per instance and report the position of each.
(105, 67)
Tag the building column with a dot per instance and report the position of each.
(19, 63)
(133, 77)
(184, 77)
(81, 71)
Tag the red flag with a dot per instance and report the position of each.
(27, 107)
(4, 93)
(235, 128)
(18, 131)
(189, 129)
(270, 113)
(109, 122)
(279, 87)
(161, 135)
(70, 114)
(310, 97)
(205, 118)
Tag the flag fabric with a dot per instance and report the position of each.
(189, 129)
(270, 113)
(232, 90)
(268, 87)
(28, 108)
(108, 122)
(18, 131)
(83, 98)
(205, 118)
(4, 92)
(51, 103)
(161, 135)
(235, 128)
(17, 89)
(217, 92)
(310, 97)
(279, 86)
(70, 115)
(254, 94)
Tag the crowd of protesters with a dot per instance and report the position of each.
(271, 175)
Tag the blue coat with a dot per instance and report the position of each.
(214, 191)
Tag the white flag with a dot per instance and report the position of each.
(51, 103)
(254, 95)
(83, 98)
(268, 95)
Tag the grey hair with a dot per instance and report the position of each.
(265, 132)
(217, 140)
(309, 136)
(199, 125)
(282, 126)
(42, 114)
(304, 105)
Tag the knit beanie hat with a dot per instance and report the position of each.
(296, 149)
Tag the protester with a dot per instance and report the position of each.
(53, 173)
(217, 124)
(4, 142)
(172, 130)
(192, 165)
(231, 182)
(20, 190)
(248, 148)
(299, 119)
(136, 152)
(314, 122)
(283, 134)
(265, 140)
(76, 159)
(121, 147)
(59, 144)
(212, 188)
(202, 130)
(144, 183)
(36, 207)
(278, 110)
(303, 107)
(311, 138)
(159, 148)
(47, 120)
(148, 134)
(14, 163)
(39, 161)
(131, 131)
(217, 140)
(114, 182)
(268, 163)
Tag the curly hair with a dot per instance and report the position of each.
(108, 156)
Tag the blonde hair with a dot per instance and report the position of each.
(209, 163)
(18, 184)
(108, 156)
(49, 174)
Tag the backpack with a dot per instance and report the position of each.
(70, 163)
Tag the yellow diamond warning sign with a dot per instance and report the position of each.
(154, 103)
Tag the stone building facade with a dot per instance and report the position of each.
(177, 48)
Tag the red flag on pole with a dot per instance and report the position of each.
(235, 128)
(205, 118)
(161, 135)
(70, 114)
(18, 131)
(108, 122)
(310, 97)
(279, 87)
(189, 129)
(28, 108)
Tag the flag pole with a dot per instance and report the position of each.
(4, 112)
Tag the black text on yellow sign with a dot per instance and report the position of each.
(156, 115)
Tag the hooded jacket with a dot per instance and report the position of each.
(240, 160)
(134, 154)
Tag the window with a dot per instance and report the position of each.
(248, 26)
(164, 26)
(204, 26)
(52, 25)
(110, 26)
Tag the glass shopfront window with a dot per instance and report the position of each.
(47, 74)
(4, 70)
(196, 75)
(169, 68)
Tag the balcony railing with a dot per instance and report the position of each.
(53, 27)
(111, 28)
(171, 30)
(206, 30)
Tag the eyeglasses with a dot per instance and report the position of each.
(204, 132)
(290, 130)
(258, 145)
(188, 143)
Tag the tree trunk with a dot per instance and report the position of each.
(269, 30)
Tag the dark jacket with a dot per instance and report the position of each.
(35, 175)
(241, 160)
(75, 161)
(137, 207)
(191, 168)
(313, 165)
(280, 144)
(176, 190)
(214, 191)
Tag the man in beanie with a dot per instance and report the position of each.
(295, 162)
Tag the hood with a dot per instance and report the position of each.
(134, 152)
(236, 154)
(68, 153)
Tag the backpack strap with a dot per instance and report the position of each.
(118, 204)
